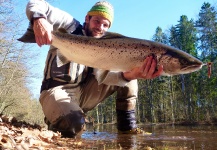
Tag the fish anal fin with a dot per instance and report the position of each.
(61, 60)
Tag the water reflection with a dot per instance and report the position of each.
(163, 137)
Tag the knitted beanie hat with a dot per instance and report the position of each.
(104, 9)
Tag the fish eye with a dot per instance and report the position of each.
(183, 62)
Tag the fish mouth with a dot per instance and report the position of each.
(206, 64)
(192, 68)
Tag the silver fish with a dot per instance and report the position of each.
(120, 53)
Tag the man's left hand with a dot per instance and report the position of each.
(146, 71)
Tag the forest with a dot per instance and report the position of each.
(189, 98)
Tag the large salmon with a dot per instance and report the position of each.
(120, 53)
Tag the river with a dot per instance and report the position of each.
(164, 137)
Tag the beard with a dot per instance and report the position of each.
(94, 32)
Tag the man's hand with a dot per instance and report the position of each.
(146, 71)
(42, 29)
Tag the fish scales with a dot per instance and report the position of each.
(119, 53)
(95, 52)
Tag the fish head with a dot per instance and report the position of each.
(182, 63)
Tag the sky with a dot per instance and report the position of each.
(133, 18)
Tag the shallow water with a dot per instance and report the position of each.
(163, 138)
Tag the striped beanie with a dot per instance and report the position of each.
(104, 9)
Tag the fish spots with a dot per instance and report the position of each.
(121, 52)
(152, 48)
(112, 52)
(105, 44)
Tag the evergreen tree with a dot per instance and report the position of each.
(207, 26)
(207, 36)
(183, 36)
(159, 36)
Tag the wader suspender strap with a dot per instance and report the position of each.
(50, 83)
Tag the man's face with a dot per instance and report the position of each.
(96, 26)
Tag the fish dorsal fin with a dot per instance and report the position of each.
(112, 35)
(62, 30)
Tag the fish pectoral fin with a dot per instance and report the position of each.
(61, 60)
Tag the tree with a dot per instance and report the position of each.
(207, 37)
(207, 26)
(15, 97)
(159, 36)
(183, 36)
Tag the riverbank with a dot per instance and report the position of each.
(24, 136)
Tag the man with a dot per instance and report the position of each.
(71, 90)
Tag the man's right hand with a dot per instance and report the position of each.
(42, 29)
